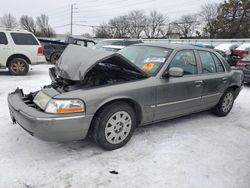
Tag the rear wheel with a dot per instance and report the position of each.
(54, 57)
(225, 104)
(114, 125)
(18, 66)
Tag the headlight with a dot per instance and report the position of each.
(65, 106)
(41, 100)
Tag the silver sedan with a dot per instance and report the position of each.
(107, 95)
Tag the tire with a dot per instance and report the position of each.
(54, 57)
(108, 131)
(225, 104)
(18, 67)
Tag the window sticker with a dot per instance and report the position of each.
(155, 60)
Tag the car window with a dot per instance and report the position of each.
(207, 62)
(24, 39)
(80, 42)
(185, 59)
(218, 64)
(3, 38)
(90, 44)
(119, 43)
(127, 42)
(148, 58)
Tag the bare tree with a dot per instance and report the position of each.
(154, 26)
(121, 26)
(8, 21)
(137, 23)
(28, 23)
(104, 31)
(208, 14)
(186, 25)
(44, 29)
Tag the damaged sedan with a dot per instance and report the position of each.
(107, 95)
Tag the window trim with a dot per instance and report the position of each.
(220, 63)
(5, 38)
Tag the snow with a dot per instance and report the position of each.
(200, 150)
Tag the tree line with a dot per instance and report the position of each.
(40, 27)
(230, 19)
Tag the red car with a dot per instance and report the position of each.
(244, 65)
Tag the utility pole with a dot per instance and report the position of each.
(72, 11)
(71, 18)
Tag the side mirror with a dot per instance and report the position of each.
(176, 72)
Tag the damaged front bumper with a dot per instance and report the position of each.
(45, 126)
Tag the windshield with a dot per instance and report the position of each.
(148, 58)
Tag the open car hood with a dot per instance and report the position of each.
(76, 61)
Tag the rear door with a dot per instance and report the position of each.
(27, 44)
(5, 49)
(177, 96)
(214, 78)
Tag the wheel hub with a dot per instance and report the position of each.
(18, 67)
(119, 127)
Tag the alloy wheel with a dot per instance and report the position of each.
(118, 127)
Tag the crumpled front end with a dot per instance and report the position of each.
(46, 126)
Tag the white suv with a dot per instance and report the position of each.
(18, 49)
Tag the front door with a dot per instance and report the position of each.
(177, 96)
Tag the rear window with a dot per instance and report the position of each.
(127, 43)
(3, 38)
(24, 39)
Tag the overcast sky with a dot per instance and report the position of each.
(95, 12)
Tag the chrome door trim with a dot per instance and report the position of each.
(186, 100)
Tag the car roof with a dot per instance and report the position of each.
(121, 40)
(8, 30)
(173, 46)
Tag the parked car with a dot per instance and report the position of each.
(226, 47)
(18, 50)
(203, 45)
(238, 53)
(107, 95)
(115, 44)
(112, 48)
(53, 49)
(244, 65)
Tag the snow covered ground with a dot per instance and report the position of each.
(199, 150)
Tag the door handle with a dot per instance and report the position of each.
(224, 80)
(198, 83)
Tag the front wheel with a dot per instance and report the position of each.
(225, 104)
(114, 125)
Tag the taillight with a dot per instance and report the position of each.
(241, 64)
(40, 51)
